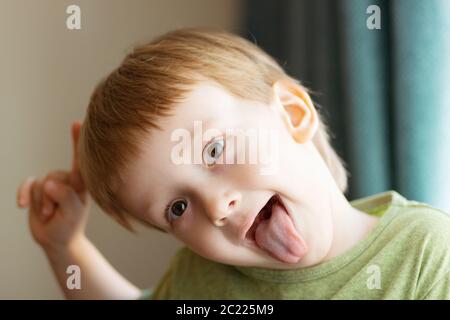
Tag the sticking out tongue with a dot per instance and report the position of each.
(278, 236)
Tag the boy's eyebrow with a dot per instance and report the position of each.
(206, 125)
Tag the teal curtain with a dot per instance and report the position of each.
(385, 93)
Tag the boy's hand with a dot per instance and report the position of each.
(58, 204)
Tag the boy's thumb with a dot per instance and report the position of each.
(63, 194)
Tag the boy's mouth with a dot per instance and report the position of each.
(273, 231)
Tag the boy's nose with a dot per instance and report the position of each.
(221, 207)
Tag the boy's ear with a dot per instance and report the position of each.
(294, 105)
(75, 176)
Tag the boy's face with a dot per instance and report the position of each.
(218, 196)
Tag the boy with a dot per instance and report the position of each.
(250, 233)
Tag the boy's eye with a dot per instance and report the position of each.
(213, 151)
(176, 209)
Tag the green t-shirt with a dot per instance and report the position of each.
(406, 256)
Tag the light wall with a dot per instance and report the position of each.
(47, 74)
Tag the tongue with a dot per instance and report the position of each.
(278, 236)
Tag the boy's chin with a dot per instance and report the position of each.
(267, 262)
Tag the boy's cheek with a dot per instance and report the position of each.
(208, 240)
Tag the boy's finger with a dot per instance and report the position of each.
(64, 195)
(32, 203)
(36, 197)
(47, 204)
(59, 175)
(36, 201)
(23, 193)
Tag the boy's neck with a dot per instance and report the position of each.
(350, 225)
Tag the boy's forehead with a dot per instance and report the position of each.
(206, 88)
(206, 98)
